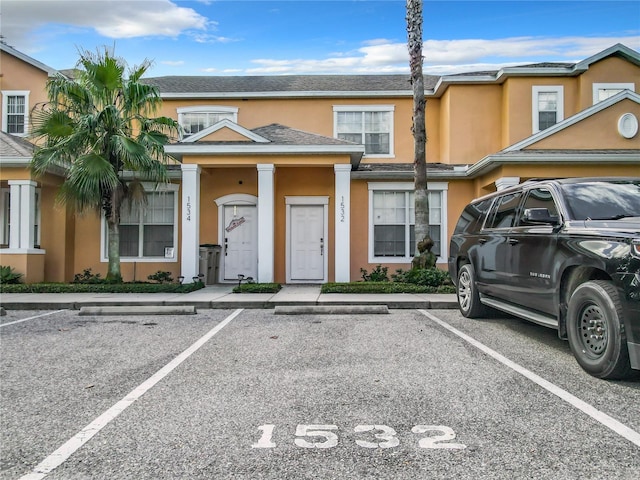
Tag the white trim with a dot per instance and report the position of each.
(296, 200)
(610, 86)
(236, 199)
(369, 108)
(293, 94)
(22, 251)
(206, 109)
(307, 201)
(149, 187)
(266, 222)
(628, 125)
(342, 222)
(196, 149)
(433, 187)
(536, 90)
(5, 112)
(226, 123)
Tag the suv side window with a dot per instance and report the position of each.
(503, 212)
(539, 198)
(471, 218)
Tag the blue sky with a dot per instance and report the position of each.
(237, 37)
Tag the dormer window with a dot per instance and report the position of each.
(194, 119)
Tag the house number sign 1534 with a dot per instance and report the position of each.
(372, 436)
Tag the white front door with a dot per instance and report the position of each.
(240, 246)
(307, 243)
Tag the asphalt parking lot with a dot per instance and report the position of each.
(248, 394)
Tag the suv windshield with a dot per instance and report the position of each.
(603, 200)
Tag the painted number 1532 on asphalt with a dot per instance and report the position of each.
(373, 436)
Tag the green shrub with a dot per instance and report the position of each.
(378, 274)
(8, 276)
(258, 288)
(383, 287)
(87, 277)
(103, 288)
(161, 277)
(432, 277)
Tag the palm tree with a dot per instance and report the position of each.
(96, 126)
(414, 43)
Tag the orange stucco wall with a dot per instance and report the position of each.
(596, 132)
(18, 75)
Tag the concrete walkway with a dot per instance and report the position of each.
(220, 296)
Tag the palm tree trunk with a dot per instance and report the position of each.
(114, 273)
(414, 32)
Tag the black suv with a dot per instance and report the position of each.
(561, 253)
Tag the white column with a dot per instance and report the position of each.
(23, 208)
(265, 223)
(342, 222)
(506, 182)
(190, 253)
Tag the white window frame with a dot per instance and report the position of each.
(536, 91)
(5, 205)
(433, 187)
(205, 109)
(597, 87)
(368, 108)
(5, 110)
(150, 188)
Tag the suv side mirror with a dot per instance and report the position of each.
(540, 215)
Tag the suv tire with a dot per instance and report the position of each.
(596, 330)
(467, 293)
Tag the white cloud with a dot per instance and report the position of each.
(172, 63)
(448, 56)
(112, 19)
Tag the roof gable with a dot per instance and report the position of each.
(27, 59)
(574, 119)
(221, 132)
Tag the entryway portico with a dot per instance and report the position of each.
(288, 231)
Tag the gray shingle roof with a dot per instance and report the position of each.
(287, 83)
(14, 147)
(283, 135)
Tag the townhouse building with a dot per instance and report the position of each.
(309, 178)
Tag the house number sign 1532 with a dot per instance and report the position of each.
(372, 436)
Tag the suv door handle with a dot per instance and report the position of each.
(512, 241)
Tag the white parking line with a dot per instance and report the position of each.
(58, 457)
(30, 318)
(603, 418)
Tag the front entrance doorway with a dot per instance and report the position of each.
(240, 242)
(307, 239)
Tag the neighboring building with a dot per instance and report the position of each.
(310, 178)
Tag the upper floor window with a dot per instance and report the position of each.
(602, 91)
(368, 125)
(15, 112)
(392, 221)
(148, 231)
(194, 119)
(548, 106)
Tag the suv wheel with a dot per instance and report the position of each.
(467, 293)
(596, 332)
